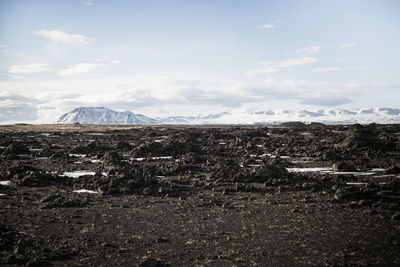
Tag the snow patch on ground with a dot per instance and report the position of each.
(85, 191)
(356, 183)
(77, 155)
(5, 183)
(329, 170)
(318, 169)
(77, 174)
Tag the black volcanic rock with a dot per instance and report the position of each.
(153, 263)
(293, 124)
(266, 171)
(362, 137)
(16, 148)
(394, 169)
(228, 196)
(343, 166)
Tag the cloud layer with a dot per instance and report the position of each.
(28, 68)
(15, 108)
(159, 93)
(269, 67)
(87, 3)
(308, 50)
(60, 37)
(271, 25)
(325, 69)
(82, 69)
(348, 45)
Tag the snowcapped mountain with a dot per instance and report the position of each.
(333, 116)
(102, 115)
(200, 119)
(326, 116)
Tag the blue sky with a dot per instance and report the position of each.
(189, 57)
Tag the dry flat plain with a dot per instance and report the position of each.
(289, 195)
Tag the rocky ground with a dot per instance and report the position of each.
(286, 195)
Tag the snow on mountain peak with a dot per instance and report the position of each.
(102, 115)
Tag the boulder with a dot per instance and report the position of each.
(394, 169)
(343, 166)
(17, 148)
(150, 262)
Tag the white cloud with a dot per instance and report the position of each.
(325, 69)
(60, 37)
(297, 62)
(28, 68)
(268, 26)
(347, 45)
(262, 71)
(352, 85)
(87, 3)
(271, 25)
(326, 101)
(82, 69)
(308, 50)
(275, 67)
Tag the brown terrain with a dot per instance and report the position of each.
(288, 195)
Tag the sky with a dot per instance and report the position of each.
(164, 58)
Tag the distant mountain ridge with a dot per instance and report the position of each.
(332, 116)
(102, 115)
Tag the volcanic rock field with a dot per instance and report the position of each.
(288, 195)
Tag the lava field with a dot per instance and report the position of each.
(287, 195)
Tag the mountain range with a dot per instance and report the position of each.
(102, 115)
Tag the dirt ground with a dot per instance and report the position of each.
(288, 195)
